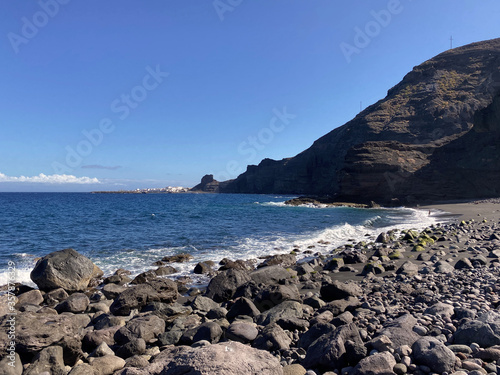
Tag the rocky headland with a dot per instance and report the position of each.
(433, 137)
(411, 302)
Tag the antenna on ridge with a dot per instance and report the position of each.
(451, 42)
(360, 106)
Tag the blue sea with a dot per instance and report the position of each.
(132, 231)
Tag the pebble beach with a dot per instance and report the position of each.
(412, 302)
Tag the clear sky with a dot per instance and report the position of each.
(124, 94)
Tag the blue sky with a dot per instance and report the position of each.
(126, 94)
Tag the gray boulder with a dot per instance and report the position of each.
(203, 304)
(232, 358)
(81, 369)
(243, 306)
(274, 295)
(171, 337)
(167, 311)
(75, 303)
(166, 289)
(65, 269)
(33, 297)
(11, 365)
(400, 330)
(223, 286)
(408, 268)
(336, 349)
(270, 275)
(209, 331)
(49, 359)
(93, 339)
(476, 331)
(314, 333)
(272, 338)
(35, 332)
(377, 364)
(106, 365)
(146, 327)
(283, 260)
(338, 290)
(111, 291)
(133, 297)
(287, 309)
(131, 348)
(431, 352)
(242, 332)
(441, 309)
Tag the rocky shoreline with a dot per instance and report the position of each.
(412, 302)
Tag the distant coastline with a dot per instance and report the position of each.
(165, 190)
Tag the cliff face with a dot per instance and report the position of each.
(435, 136)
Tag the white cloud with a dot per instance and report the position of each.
(50, 179)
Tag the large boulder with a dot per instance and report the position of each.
(48, 360)
(65, 269)
(242, 332)
(133, 297)
(270, 275)
(476, 331)
(146, 327)
(76, 303)
(337, 349)
(229, 358)
(377, 364)
(272, 338)
(339, 290)
(35, 331)
(276, 294)
(223, 286)
(243, 306)
(287, 309)
(400, 330)
(432, 353)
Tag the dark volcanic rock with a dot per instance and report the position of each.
(476, 331)
(133, 298)
(270, 275)
(331, 350)
(242, 332)
(243, 306)
(223, 286)
(432, 353)
(400, 330)
(274, 295)
(434, 136)
(272, 338)
(314, 333)
(146, 327)
(65, 269)
(339, 290)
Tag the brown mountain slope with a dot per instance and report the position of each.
(435, 136)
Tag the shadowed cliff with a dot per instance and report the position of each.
(435, 136)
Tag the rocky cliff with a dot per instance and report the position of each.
(435, 136)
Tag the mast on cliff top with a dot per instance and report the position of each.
(451, 42)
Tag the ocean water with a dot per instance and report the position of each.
(132, 231)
